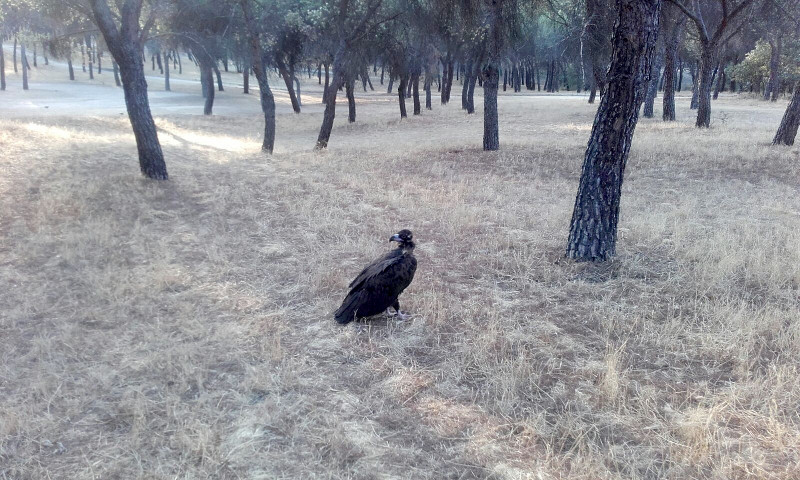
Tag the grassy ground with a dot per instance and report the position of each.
(183, 329)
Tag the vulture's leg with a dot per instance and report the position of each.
(398, 313)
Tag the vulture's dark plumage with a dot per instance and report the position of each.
(377, 287)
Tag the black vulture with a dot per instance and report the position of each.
(377, 287)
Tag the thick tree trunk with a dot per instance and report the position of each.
(593, 229)
(491, 135)
(2, 66)
(206, 71)
(791, 119)
(707, 62)
(166, 72)
(447, 80)
(24, 67)
(351, 100)
(267, 107)
(151, 158)
(401, 95)
(652, 87)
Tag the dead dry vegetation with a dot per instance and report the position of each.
(183, 329)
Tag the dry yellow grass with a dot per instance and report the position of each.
(183, 329)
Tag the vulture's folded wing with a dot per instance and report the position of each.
(375, 268)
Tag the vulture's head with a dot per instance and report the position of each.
(404, 239)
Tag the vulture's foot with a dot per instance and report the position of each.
(402, 316)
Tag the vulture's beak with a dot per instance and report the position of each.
(396, 238)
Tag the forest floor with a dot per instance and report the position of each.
(183, 329)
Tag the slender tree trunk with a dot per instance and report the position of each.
(34, 56)
(447, 79)
(72, 70)
(83, 56)
(166, 72)
(15, 54)
(327, 84)
(719, 85)
(330, 100)
(593, 229)
(415, 94)
(180, 66)
(787, 131)
(465, 86)
(24, 67)
(652, 87)
(680, 74)
(207, 74)
(401, 95)
(351, 100)
(287, 80)
(99, 56)
(2, 66)
(707, 63)
(428, 81)
(471, 93)
(114, 67)
(297, 90)
(774, 69)
(382, 69)
(670, 54)
(246, 79)
(219, 77)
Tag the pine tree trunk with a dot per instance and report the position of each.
(787, 131)
(287, 80)
(24, 67)
(491, 135)
(351, 100)
(207, 74)
(670, 54)
(706, 74)
(330, 100)
(2, 66)
(593, 229)
(114, 67)
(652, 88)
(428, 105)
(401, 95)
(219, 76)
(151, 158)
(166, 72)
(465, 86)
(472, 79)
(415, 94)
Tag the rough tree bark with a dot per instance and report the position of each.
(265, 93)
(415, 93)
(491, 77)
(787, 131)
(330, 97)
(593, 229)
(670, 54)
(472, 80)
(125, 44)
(207, 74)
